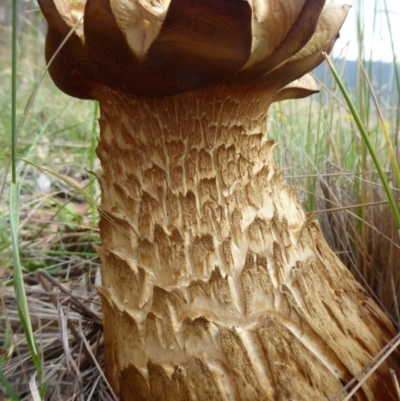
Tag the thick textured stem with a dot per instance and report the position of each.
(215, 285)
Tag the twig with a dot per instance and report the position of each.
(70, 325)
(339, 209)
(396, 304)
(99, 369)
(372, 365)
(86, 312)
(395, 382)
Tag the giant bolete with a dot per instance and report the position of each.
(215, 285)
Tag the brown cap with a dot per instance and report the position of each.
(165, 47)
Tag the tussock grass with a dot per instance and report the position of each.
(321, 153)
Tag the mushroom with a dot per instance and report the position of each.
(215, 285)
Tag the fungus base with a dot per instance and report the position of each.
(215, 285)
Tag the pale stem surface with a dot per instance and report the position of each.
(215, 286)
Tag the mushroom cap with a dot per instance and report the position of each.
(158, 48)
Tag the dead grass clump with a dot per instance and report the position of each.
(363, 233)
(66, 319)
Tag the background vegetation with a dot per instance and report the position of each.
(321, 153)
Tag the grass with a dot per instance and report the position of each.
(335, 175)
(53, 229)
(53, 221)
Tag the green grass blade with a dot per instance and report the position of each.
(8, 387)
(63, 178)
(367, 141)
(14, 130)
(384, 129)
(14, 90)
(19, 287)
(81, 191)
(92, 158)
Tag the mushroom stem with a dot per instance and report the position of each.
(215, 285)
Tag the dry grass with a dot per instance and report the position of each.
(372, 253)
(67, 323)
(340, 188)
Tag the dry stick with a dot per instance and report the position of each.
(375, 229)
(396, 305)
(338, 209)
(67, 352)
(55, 302)
(93, 388)
(75, 301)
(377, 184)
(373, 369)
(373, 364)
(87, 355)
(82, 360)
(356, 217)
(329, 175)
(362, 278)
(100, 370)
(396, 383)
